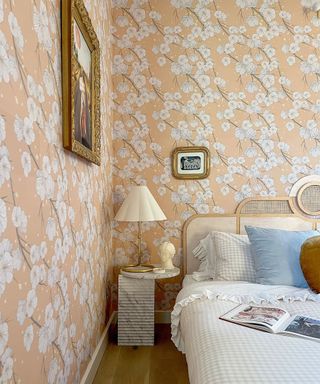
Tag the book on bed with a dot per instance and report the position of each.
(274, 320)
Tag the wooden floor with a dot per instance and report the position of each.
(160, 364)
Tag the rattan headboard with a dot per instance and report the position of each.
(299, 211)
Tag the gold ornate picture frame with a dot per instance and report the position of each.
(80, 82)
(191, 162)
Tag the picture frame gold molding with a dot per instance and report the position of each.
(71, 11)
(206, 164)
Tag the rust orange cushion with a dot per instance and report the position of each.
(310, 262)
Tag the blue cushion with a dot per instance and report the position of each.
(276, 255)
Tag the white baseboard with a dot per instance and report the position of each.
(95, 360)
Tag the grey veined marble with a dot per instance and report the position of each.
(135, 311)
(153, 275)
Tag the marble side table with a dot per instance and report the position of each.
(136, 306)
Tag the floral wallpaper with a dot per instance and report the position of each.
(55, 208)
(241, 77)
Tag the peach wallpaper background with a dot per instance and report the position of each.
(241, 77)
(55, 208)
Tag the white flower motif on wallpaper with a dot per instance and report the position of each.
(41, 26)
(261, 67)
(311, 5)
(8, 65)
(3, 216)
(240, 77)
(10, 261)
(54, 248)
(6, 359)
(16, 31)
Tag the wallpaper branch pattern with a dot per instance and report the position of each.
(240, 77)
(55, 215)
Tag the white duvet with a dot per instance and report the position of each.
(219, 352)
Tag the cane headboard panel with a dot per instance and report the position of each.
(281, 213)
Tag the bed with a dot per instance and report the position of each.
(222, 352)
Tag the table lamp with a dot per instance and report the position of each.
(140, 206)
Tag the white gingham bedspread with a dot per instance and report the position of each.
(219, 352)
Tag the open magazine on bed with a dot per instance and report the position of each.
(274, 320)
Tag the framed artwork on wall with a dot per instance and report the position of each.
(191, 162)
(80, 82)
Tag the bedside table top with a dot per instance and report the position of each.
(152, 275)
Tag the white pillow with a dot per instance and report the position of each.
(205, 252)
(234, 259)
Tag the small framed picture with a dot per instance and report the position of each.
(80, 82)
(191, 162)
